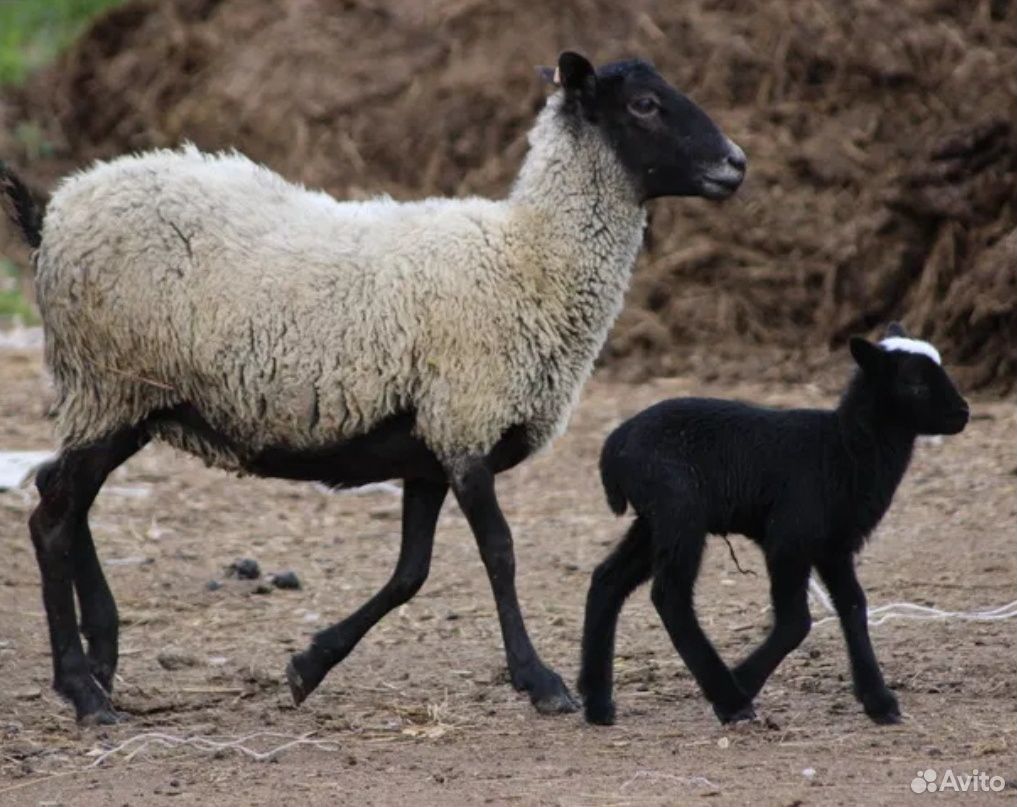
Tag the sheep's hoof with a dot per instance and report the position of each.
(725, 716)
(548, 693)
(559, 703)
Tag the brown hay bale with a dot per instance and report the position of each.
(855, 209)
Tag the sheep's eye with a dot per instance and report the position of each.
(918, 390)
(644, 106)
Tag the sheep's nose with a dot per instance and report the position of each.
(736, 157)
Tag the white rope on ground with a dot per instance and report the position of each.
(910, 610)
(138, 743)
(362, 490)
(691, 781)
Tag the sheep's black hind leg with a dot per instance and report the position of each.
(625, 568)
(473, 484)
(789, 580)
(99, 619)
(422, 501)
(676, 567)
(839, 576)
(66, 555)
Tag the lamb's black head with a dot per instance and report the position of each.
(910, 382)
(669, 144)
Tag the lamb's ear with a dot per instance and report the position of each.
(896, 329)
(866, 355)
(576, 75)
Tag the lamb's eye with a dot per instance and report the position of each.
(643, 106)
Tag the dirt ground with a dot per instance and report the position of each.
(421, 712)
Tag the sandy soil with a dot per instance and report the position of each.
(421, 711)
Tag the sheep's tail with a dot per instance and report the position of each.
(20, 207)
(609, 470)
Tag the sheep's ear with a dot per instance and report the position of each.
(896, 329)
(576, 74)
(547, 75)
(866, 355)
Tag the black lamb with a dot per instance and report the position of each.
(807, 485)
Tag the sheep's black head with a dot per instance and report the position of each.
(669, 144)
(910, 382)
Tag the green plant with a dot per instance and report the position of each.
(12, 302)
(33, 32)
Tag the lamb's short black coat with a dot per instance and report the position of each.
(729, 467)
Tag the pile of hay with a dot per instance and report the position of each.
(881, 139)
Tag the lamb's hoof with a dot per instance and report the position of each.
(887, 719)
(736, 715)
(599, 711)
(299, 688)
(882, 708)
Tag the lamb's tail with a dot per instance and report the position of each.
(20, 207)
(609, 470)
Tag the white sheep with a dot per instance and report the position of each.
(272, 330)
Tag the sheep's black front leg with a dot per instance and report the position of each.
(422, 501)
(838, 574)
(473, 485)
(613, 580)
(676, 567)
(789, 580)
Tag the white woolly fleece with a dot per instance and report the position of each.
(911, 346)
(291, 319)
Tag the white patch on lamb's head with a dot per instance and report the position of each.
(907, 345)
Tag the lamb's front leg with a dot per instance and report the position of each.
(789, 581)
(629, 565)
(839, 576)
(473, 485)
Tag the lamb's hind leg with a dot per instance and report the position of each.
(67, 560)
(422, 501)
(625, 568)
(678, 551)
